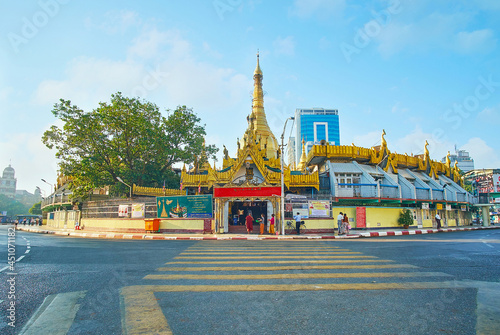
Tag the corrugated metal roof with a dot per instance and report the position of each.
(345, 168)
(406, 174)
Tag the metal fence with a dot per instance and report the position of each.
(110, 208)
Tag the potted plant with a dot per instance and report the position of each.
(405, 218)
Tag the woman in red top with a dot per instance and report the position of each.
(249, 222)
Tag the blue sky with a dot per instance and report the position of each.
(421, 70)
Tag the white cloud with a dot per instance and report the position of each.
(367, 140)
(114, 22)
(485, 157)
(284, 46)
(414, 143)
(150, 44)
(322, 8)
(489, 115)
(475, 41)
(434, 31)
(36, 162)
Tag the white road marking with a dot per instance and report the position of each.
(55, 315)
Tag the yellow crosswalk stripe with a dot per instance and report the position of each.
(340, 251)
(276, 268)
(316, 261)
(299, 276)
(273, 257)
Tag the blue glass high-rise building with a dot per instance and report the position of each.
(314, 125)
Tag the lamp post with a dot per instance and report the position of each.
(53, 195)
(282, 214)
(130, 187)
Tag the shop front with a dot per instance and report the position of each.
(233, 204)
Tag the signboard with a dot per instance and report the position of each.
(138, 211)
(439, 206)
(425, 205)
(319, 209)
(246, 191)
(188, 206)
(122, 211)
(448, 207)
(463, 208)
(496, 182)
(484, 183)
(360, 217)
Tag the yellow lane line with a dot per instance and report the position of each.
(300, 275)
(262, 248)
(274, 253)
(260, 257)
(293, 261)
(142, 314)
(277, 268)
(428, 240)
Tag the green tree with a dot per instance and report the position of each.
(36, 209)
(127, 138)
(11, 206)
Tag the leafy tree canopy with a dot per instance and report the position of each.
(11, 206)
(36, 209)
(127, 138)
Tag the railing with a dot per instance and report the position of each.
(56, 200)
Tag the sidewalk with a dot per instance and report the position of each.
(163, 236)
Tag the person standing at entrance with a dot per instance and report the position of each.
(262, 223)
(298, 220)
(438, 221)
(249, 222)
(345, 222)
(271, 225)
(340, 218)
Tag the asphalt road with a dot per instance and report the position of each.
(447, 283)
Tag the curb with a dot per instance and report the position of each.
(247, 238)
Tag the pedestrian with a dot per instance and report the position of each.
(262, 223)
(271, 225)
(438, 221)
(298, 221)
(249, 222)
(340, 218)
(345, 222)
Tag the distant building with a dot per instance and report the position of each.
(8, 182)
(464, 161)
(314, 125)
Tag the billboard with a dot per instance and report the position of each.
(188, 206)
(319, 208)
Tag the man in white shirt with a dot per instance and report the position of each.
(438, 221)
(340, 217)
(298, 219)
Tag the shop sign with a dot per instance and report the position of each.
(448, 207)
(439, 206)
(425, 205)
(220, 192)
(188, 206)
(463, 208)
(319, 208)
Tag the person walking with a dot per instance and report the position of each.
(438, 221)
(298, 220)
(271, 225)
(340, 218)
(262, 223)
(345, 222)
(249, 222)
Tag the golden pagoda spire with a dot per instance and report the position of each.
(257, 119)
(303, 157)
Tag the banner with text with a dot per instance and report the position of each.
(189, 206)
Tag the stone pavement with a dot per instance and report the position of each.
(354, 233)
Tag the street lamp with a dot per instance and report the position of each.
(282, 181)
(54, 195)
(124, 183)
